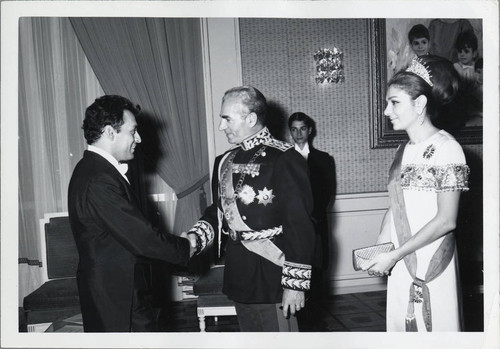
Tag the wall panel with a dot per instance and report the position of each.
(277, 58)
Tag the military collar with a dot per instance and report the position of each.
(260, 137)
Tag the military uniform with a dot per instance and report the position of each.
(263, 201)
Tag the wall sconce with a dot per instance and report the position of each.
(329, 67)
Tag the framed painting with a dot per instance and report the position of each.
(389, 52)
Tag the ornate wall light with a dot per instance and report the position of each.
(329, 67)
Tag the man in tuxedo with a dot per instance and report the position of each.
(116, 243)
(323, 184)
(263, 202)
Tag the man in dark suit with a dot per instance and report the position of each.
(323, 183)
(116, 243)
(263, 201)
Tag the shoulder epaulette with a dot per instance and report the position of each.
(275, 143)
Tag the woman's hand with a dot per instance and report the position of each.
(381, 265)
(443, 223)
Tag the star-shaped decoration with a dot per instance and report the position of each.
(246, 194)
(265, 196)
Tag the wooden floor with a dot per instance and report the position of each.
(356, 312)
(350, 312)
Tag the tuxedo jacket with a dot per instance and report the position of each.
(323, 184)
(115, 241)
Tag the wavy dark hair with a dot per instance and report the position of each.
(308, 121)
(444, 98)
(466, 39)
(252, 98)
(106, 110)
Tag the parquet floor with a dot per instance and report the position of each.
(356, 312)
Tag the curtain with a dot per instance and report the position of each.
(157, 63)
(56, 83)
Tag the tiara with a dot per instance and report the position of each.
(418, 67)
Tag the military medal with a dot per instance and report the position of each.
(265, 196)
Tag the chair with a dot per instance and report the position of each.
(211, 301)
(57, 298)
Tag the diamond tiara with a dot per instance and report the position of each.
(417, 67)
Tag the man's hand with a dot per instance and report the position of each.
(192, 242)
(293, 299)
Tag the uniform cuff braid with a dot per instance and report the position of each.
(204, 235)
(296, 276)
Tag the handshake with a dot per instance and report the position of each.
(193, 243)
(200, 237)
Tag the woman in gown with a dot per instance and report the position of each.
(425, 182)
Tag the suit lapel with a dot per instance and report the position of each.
(104, 165)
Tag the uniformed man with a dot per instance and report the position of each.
(263, 201)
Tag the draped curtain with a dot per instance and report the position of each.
(132, 57)
(56, 83)
(157, 63)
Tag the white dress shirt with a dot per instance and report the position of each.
(122, 168)
(304, 152)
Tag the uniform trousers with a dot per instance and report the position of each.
(308, 318)
(264, 318)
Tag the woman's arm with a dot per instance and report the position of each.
(441, 224)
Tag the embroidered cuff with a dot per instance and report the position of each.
(453, 177)
(296, 276)
(204, 235)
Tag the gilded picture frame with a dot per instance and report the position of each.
(382, 135)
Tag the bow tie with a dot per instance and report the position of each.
(123, 168)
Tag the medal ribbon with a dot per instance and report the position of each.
(263, 247)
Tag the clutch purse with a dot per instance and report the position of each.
(361, 256)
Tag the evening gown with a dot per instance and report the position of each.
(433, 165)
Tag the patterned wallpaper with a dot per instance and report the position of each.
(277, 58)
